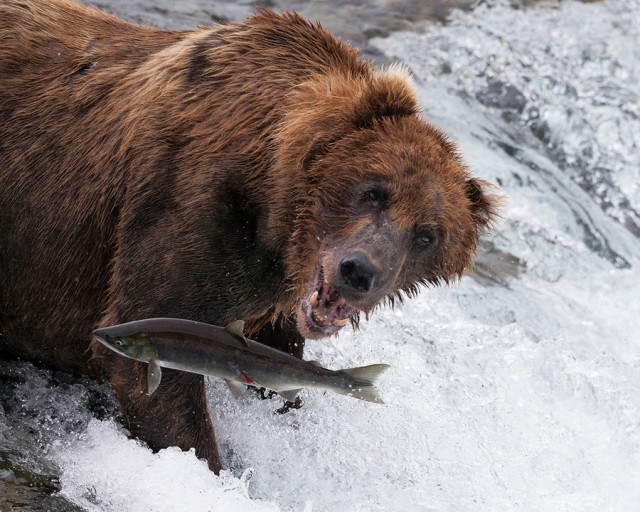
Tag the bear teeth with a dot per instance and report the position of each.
(325, 309)
(319, 319)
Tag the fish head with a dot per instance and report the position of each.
(137, 345)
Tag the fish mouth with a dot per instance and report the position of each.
(102, 336)
(323, 311)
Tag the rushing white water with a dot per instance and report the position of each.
(520, 396)
(568, 73)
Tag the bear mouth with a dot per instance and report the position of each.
(325, 310)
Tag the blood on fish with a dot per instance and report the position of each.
(246, 378)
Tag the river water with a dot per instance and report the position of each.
(518, 389)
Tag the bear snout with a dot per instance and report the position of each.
(358, 273)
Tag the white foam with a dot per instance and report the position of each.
(102, 470)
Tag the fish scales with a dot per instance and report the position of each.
(186, 352)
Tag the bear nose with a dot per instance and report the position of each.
(358, 272)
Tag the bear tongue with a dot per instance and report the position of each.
(328, 307)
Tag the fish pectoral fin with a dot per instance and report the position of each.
(154, 376)
(237, 389)
(236, 328)
(289, 395)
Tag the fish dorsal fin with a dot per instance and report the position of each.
(154, 376)
(237, 389)
(289, 395)
(236, 328)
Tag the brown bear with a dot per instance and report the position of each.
(257, 170)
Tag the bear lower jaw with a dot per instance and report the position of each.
(310, 329)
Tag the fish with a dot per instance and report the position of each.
(226, 353)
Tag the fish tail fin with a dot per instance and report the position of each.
(364, 378)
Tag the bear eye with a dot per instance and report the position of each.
(424, 238)
(375, 196)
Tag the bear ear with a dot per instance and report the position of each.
(332, 106)
(484, 206)
(391, 93)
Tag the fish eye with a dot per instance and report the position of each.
(118, 343)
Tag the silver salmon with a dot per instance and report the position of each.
(226, 353)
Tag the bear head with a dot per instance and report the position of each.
(378, 200)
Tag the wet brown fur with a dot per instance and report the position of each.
(201, 174)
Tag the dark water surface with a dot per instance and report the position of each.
(353, 20)
(38, 408)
